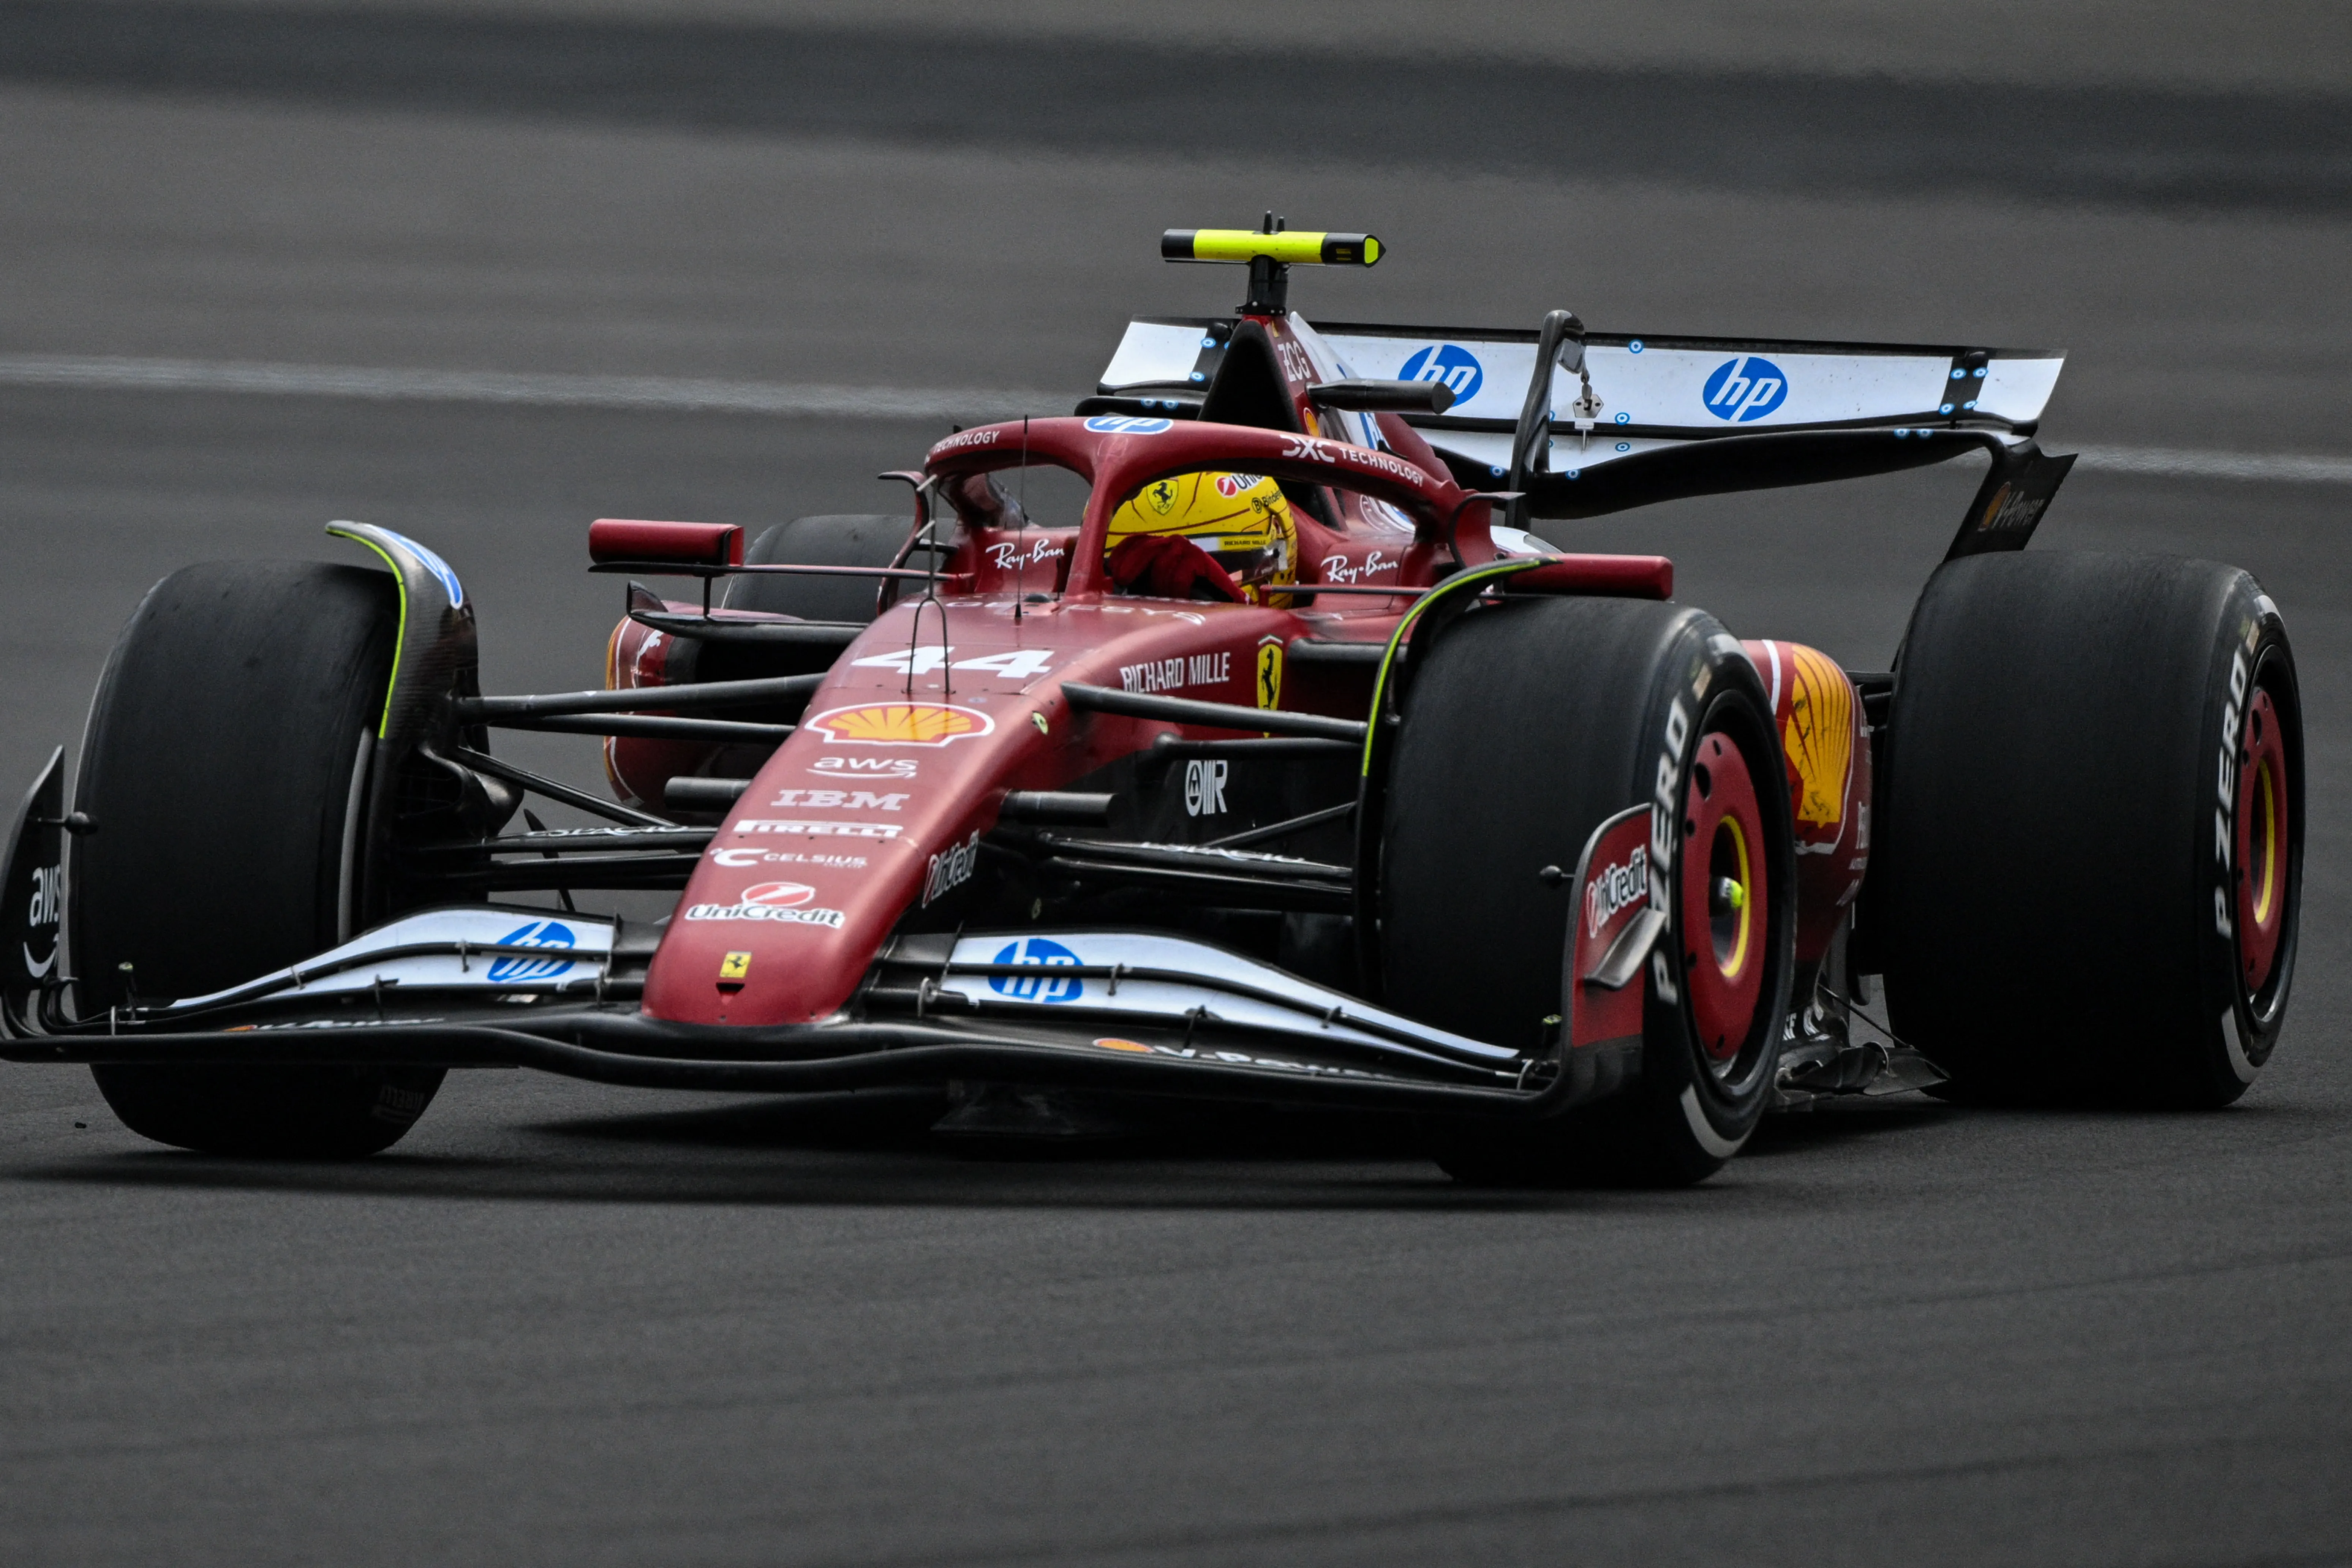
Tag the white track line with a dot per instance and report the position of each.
(555, 389)
(2169, 462)
(543, 390)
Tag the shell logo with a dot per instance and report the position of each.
(1819, 736)
(899, 724)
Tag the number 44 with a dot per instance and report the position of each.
(1019, 664)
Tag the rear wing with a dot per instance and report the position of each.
(1659, 418)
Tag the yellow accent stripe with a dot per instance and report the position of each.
(400, 633)
(2270, 839)
(1739, 847)
(1453, 584)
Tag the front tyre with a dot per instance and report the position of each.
(224, 765)
(1529, 725)
(841, 540)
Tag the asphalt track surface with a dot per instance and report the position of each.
(564, 1324)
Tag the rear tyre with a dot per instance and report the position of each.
(222, 767)
(859, 539)
(2090, 829)
(1530, 725)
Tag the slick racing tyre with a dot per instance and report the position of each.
(1528, 726)
(843, 541)
(2090, 829)
(219, 768)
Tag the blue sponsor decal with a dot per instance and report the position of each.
(1127, 424)
(438, 568)
(510, 968)
(1043, 954)
(1635, 346)
(1745, 388)
(1448, 364)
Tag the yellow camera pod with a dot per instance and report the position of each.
(1291, 247)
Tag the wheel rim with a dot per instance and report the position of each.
(1724, 900)
(2262, 851)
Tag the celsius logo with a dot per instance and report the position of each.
(1127, 424)
(1448, 364)
(1745, 388)
(1036, 951)
(511, 967)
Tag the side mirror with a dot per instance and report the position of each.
(615, 539)
(1383, 397)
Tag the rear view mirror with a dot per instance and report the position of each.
(1383, 397)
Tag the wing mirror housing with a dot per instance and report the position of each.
(1383, 397)
(619, 539)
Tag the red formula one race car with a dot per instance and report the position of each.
(1269, 758)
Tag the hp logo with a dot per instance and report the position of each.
(509, 968)
(1745, 388)
(1127, 424)
(1044, 954)
(1448, 364)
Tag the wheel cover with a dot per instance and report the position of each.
(2263, 826)
(1724, 900)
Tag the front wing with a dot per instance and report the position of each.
(1147, 1011)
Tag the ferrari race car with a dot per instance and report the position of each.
(1231, 739)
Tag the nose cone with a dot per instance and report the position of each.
(873, 808)
(827, 849)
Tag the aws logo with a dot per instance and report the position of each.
(1745, 388)
(1450, 365)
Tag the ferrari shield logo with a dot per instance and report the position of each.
(1270, 674)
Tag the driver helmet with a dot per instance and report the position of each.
(1243, 520)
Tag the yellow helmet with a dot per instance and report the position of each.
(1243, 520)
